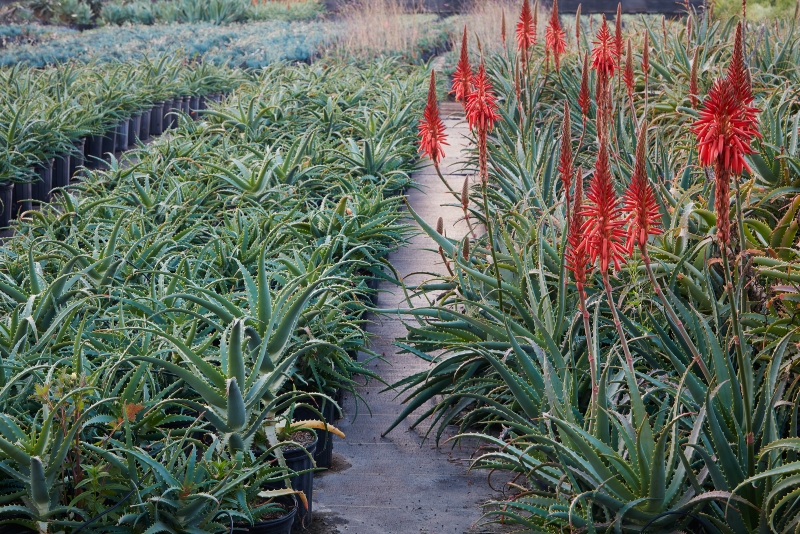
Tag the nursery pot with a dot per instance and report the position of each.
(94, 151)
(61, 173)
(40, 188)
(21, 200)
(144, 126)
(323, 455)
(177, 107)
(281, 525)
(167, 120)
(76, 159)
(187, 104)
(122, 135)
(298, 460)
(109, 143)
(194, 105)
(6, 199)
(202, 103)
(339, 398)
(12, 528)
(157, 118)
(134, 126)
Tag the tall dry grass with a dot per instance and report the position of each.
(484, 20)
(376, 27)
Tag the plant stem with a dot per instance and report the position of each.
(737, 341)
(674, 317)
(487, 219)
(446, 184)
(589, 347)
(617, 323)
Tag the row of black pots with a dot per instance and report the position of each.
(95, 151)
(298, 460)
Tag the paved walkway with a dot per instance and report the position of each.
(393, 485)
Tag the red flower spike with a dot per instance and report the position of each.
(603, 59)
(722, 202)
(693, 89)
(627, 76)
(526, 33)
(577, 259)
(584, 98)
(604, 228)
(737, 71)
(639, 200)
(462, 77)
(554, 37)
(431, 128)
(618, 34)
(565, 168)
(535, 21)
(481, 108)
(602, 97)
(578, 26)
(503, 27)
(725, 128)
(481, 112)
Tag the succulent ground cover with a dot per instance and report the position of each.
(622, 329)
(251, 45)
(160, 321)
(44, 112)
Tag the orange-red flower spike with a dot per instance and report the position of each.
(462, 77)
(432, 136)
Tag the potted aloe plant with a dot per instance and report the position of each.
(7, 172)
(199, 486)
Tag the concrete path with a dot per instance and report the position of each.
(393, 485)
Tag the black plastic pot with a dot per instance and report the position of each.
(76, 159)
(157, 118)
(177, 107)
(6, 199)
(109, 143)
(298, 460)
(122, 135)
(194, 105)
(282, 525)
(339, 398)
(144, 126)
(202, 103)
(17, 529)
(61, 173)
(94, 151)
(167, 118)
(187, 104)
(134, 126)
(21, 201)
(323, 455)
(41, 187)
